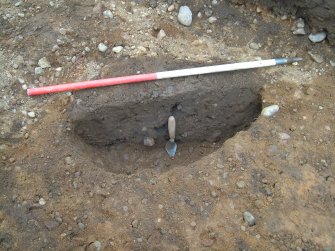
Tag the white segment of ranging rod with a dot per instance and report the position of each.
(215, 68)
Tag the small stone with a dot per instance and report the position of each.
(68, 160)
(81, 226)
(55, 48)
(50, 225)
(193, 224)
(171, 8)
(153, 3)
(41, 201)
(240, 184)
(258, 236)
(212, 19)
(254, 46)
(243, 228)
(102, 47)
(39, 70)
(249, 218)
(21, 14)
(161, 34)
(31, 114)
(21, 81)
(62, 31)
(108, 14)
(214, 194)
(268, 191)
(207, 242)
(316, 57)
(284, 136)
(317, 37)
(12, 160)
(299, 31)
(270, 110)
(44, 63)
(148, 141)
(258, 9)
(134, 223)
(300, 23)
(97, 245)
(117, 49)
(185, 16)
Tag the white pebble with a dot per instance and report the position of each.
(185, 16)
(171, 8)
(31, 114)
(284, 136)
(108, 14)
(148, 141)
(318, 37)
(42, 201)
(117, 49)
(102, 47)
(161, 34)
(212, 19)
(24, 87)
(270, 110)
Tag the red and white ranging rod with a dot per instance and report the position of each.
(158, 75)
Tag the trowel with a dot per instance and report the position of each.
(171, 146)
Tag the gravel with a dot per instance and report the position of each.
(134, 223)
(51, 225)
(185, 16)
(240, 184)
(102, 47)
(44, 63)
(161, 34)
(171, 8)
(81, 226)
(317, 37)
(284, 136)
(39, 70)
(41, 201)
(249, 218)
(68, 160)
(212, 19)
(270, 110)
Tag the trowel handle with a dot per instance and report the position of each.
(172, 128)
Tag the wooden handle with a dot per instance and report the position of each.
(172, 128)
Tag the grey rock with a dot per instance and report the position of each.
(44, 63)
(108, 14)
(31, 114)
(81, 226)
(212, 19)
(39, 70)
(153, 3)
(97, 245)
(117, 49)
(284, 136)
(316, 57)
(249, 218)
(148, 141)
(254, 46)
(185, 16)
(300, 23)
(68, 160)
(299, 31)
(317, 37)
(134, 223)
(161, 34)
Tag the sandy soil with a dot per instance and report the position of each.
(64, 188)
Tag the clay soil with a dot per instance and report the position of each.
(75, 175)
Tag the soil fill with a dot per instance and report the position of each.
(205, 118)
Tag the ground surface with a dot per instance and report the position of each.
(61, 189)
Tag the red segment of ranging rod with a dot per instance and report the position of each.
(92, 84)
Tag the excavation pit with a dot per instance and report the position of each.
(208, 110)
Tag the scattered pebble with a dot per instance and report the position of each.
(240, 184)
(270, 110)
(317, 37)
(31, 114)
(148, 141)
(243, 228)
(161, 34)
(41, 201)
(299, 27)
(212, 19)
(44, 63)
(117, 49)
(97, 245)
(134, 223)
(153, 3)
(68, 160)
(254, 46)
(102, 47)
(39, 70)
(185, 16)
(81, 226)
(62, 31)
(108, 14)
(299, 31)
(249, 218)
(193, 224)
(316, 57)
(51, 225)
(214, 194)
(171, 8)
(284, 136)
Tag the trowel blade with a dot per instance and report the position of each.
(171, 148)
